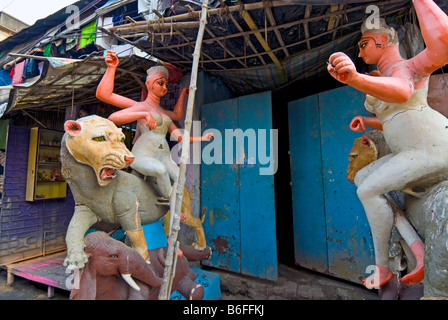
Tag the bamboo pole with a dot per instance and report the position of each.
(179, 186)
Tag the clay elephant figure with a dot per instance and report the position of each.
(115, 271)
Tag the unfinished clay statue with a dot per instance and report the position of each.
(425, 210)
(117, 272)
(151, 150)
(416, 134)
(92, 156)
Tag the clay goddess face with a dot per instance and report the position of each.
(371, 47)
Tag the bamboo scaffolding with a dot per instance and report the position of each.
(257, 55)
(180, 184)
(274, 28)
(197, 14)
(248, 7)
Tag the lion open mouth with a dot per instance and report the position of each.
(107, 174)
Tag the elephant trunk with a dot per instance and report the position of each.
(134, 266)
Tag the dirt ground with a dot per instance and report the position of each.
(292, 284)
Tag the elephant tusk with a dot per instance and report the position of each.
(127, 277)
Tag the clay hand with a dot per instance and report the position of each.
(357, 124)
(341, 67)
(151, 123)
(186, 90)
(111, 59)
(207, 137)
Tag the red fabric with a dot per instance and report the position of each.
(18, 73)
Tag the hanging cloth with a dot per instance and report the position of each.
(31, 68)
(88, 33)
(71, 42)
(17, 78)
(47, 50)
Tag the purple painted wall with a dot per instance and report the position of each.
(28, 228)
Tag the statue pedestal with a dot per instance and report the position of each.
(156, 238)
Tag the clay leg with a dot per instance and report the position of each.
(82, 219)
(404, 227)
(387, 175)
(127, 208)
(417, 247)
(193, 222)
(139, 242)
(152, 167)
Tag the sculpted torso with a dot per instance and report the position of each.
(153, 143)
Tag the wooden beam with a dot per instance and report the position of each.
(133, 28)
(184, 37)
(249, 42)
(179, 185)
(289, 25)
(273, 23)
(333, 19)
(251, 23)
(210, 32)
(308, 9)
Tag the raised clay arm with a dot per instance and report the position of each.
(434, 27)
(179, 109)
(105, 89)
(397, 88)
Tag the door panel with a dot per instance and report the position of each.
(220, 190)
(257, 203)
(310, 237)
(240, 223)
(331, 231)
(348, 231)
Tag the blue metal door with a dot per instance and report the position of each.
(240, 222)
(331, 231)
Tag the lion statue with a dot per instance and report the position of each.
(92, 155)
